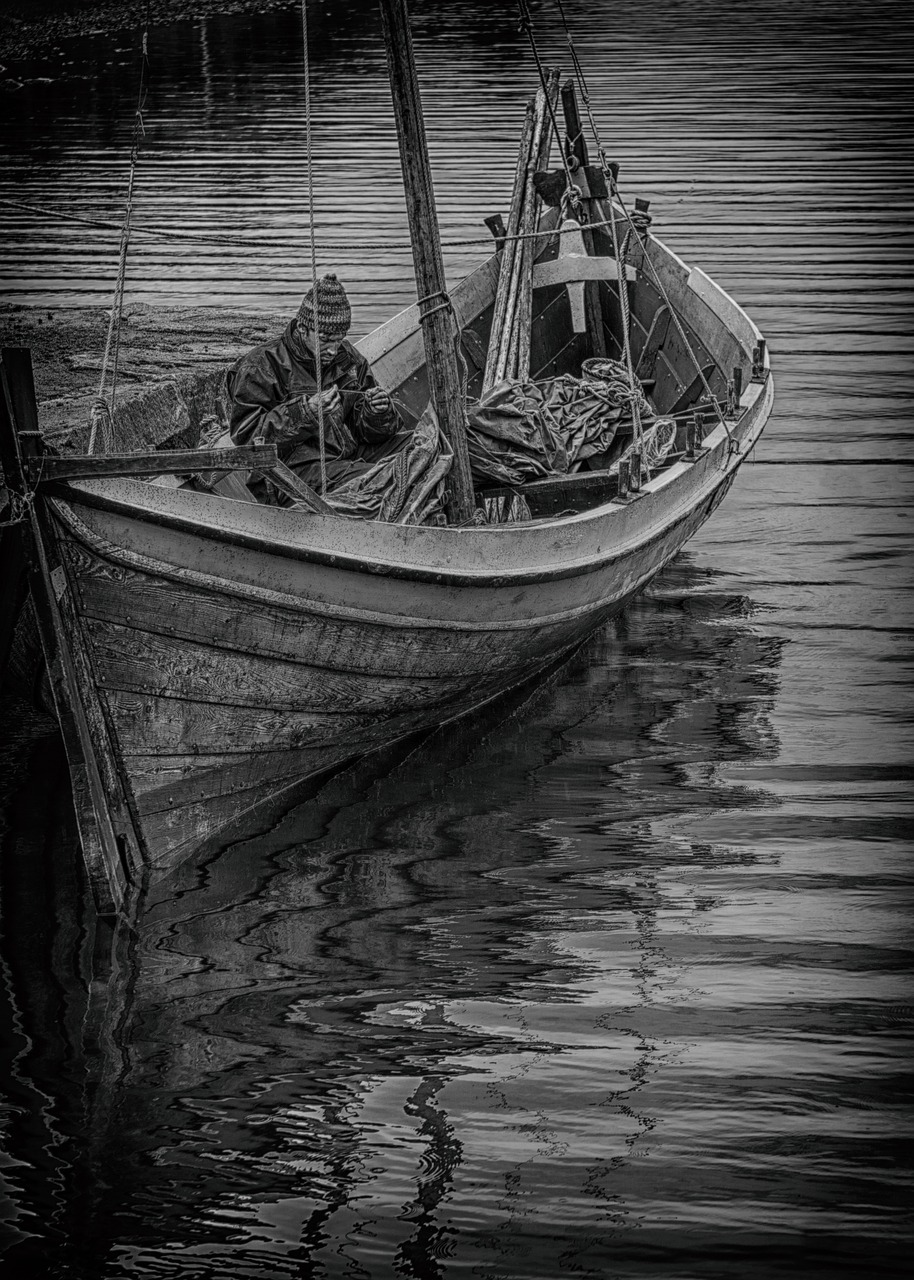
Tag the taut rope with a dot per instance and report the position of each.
(315, 289)
(170, 233)
(526, 23)
(626, 325)
(102, 409)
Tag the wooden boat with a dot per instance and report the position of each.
(210, 656)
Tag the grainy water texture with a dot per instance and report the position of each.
(614, 981)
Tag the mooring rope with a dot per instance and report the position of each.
(315, 288)
(102, 409)
(163, 233)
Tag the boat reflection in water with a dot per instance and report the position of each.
(434, 1014)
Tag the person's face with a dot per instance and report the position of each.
(329, 345)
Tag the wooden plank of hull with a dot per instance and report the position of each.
(186, 811)
(223, 730)
(177, 725)
(509, 597)
(176, 609)
(177, 818)
(148, 663)
(161, 782)
(175, 834)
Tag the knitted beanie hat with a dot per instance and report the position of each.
(334, 313)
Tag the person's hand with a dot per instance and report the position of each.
(329, 400)
(378, 400)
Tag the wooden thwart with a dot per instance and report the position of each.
(168, 462)
(550, 497)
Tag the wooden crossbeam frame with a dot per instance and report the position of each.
(573, 267)
(167, 462)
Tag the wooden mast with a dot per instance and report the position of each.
(434, 306)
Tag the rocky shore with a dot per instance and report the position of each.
(29, 26)
(158, 345)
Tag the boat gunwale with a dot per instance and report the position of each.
(446, 577)
(108, 494)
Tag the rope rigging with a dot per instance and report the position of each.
(526, 23)
(571, 200)
(163, 233)
(634, 230)
(322, 442)
(101, 415)
(103, 408)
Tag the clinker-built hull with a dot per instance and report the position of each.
(221, 652)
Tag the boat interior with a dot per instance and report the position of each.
(678, 371)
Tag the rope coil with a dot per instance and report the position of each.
(444, 305)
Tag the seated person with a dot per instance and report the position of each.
(273, 390)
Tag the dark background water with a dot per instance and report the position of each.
(615, 981)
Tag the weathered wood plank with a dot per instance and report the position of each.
(656, 336)
(176, 725)
(574, 492)
(168, 462)
(293, 486)
(118, 595)
(150, 721)
(578, 144)
(437, 321)
(694, 390)
(162, 782)
(146, 662)
(105, 826)
(174, 834)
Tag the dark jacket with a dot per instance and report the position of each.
(266, 387)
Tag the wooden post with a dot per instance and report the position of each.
(496, 225)
(695, 434)
(501, 318)
(578, 149)
(737, 388)
(437, 320)
(519, 359)
(105, 826)
(758, 361)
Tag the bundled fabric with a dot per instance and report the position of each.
(520, 431)
(406, 487)
(527, 430)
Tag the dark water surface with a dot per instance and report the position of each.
(615, 981)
